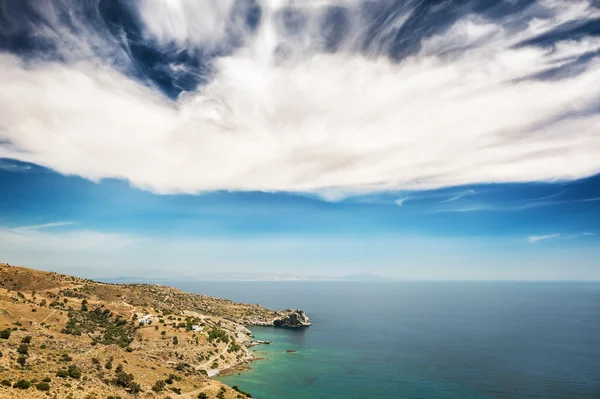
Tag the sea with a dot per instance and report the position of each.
(423, 340)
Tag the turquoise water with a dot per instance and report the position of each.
(425, 340)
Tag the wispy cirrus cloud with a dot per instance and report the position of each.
(283, 111)
(42, 226)
(534, 239)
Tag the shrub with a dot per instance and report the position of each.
(180, 366)
(108, 365)
(176, 390)
(43, 346)
(236, 388)
(134, 387)
(158, 386)
(202, 395)
(22, 384)
(21, 360)
(62, 373)
(47, 379)
(26, 339)
(129, 349)
(6, 383)
(5, 334)
(74, 371)
(175, 341)
(23, 349)
(43, 386)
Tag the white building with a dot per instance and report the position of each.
(196, 328)
(147, 319)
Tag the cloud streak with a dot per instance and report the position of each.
(285, 111)
(534, 239)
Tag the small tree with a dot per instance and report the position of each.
(22, 360)
(22, 384)
(5, 334)
(23, 349)
(43, 386)
(158, 386)
(202, 395)
(74, 371)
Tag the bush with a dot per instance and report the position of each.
(236, 388)
(176, 390)
(43, 346)
(47, 379)
(21, 360)
(129, 349)
(123, 379)
(158, 386)
(6, 383)
(5, 334)
(74, 371)
(42, 386)
(23, 349)
(175, 341)
(62, 373)
(202, 395)
(22, 384)
(26, 339)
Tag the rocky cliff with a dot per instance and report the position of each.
(293, 319)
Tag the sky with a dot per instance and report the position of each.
(308, 139)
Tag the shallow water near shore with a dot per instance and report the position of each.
(424, 340)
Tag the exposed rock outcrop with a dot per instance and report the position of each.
(294, 319)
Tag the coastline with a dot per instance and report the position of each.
(124, 338)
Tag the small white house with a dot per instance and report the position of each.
(196, 328)
(147, 319)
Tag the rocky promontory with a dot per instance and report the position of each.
(293, 319)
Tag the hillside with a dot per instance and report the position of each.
(75, 338)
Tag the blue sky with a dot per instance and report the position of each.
(110, 229)
(414, 139)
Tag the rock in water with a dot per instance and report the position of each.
(294, 319)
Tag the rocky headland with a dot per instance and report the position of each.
(67, 337)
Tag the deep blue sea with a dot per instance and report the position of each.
(424, 340)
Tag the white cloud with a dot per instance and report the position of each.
(186, 23)
(37, 239)
(42, 226)
(400, 201)
(332, 123)
(534, 239)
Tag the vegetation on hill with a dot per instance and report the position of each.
(66, 337)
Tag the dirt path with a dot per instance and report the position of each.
(217, 356)
(49, 314)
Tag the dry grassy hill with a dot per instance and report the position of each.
(66, 337)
